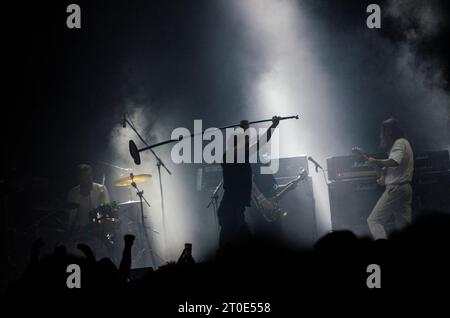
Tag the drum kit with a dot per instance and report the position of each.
(106, 223)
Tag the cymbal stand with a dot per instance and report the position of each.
(142, 199)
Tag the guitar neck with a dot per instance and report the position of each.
(287, 188)
(359, 152)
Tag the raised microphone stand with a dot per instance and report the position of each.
(159, 164)
(135, 151)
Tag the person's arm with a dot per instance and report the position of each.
(383, 163)
(107, 199)
(395, 156)
(90, 257)
(103, 195)
(125, 263)
(380, 176)
(380, 165)
(268, 133)
(266, 136)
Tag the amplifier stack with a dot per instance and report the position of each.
(353, 190)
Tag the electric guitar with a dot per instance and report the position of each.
(365, 157)
(269, 207)
(359, 152)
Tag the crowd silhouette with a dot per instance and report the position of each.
(415, 257)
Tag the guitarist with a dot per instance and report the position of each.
(396, 174)
(237, 185)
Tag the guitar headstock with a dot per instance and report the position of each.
(358, 151)
(302, 174)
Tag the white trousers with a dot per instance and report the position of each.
(395, 201)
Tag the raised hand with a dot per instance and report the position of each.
(86, 251)
(275, 121)
(381, 181)
(129, 239)
(359, 152)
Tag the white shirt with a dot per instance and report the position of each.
(401, 152)
(99, 195)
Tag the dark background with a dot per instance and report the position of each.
(66, 90)
(69, 85)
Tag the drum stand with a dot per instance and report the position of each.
(143, 228)
(214, 203)
(159, 164)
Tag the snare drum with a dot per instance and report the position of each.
(105, 218)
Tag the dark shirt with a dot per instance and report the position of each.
(237, 177)
(237, 183)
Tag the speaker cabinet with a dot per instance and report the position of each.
(351, 202)
(431, 192)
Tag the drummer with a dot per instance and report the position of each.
(88, 195)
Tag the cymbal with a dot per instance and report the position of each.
(126, 181)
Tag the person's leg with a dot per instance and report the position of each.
(243, 230)
(233, 228)
(403, 215)
(380, 214)
(224, 213)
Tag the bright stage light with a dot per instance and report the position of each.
(291, 80)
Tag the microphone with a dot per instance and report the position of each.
(124, 121)
(315, 163)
